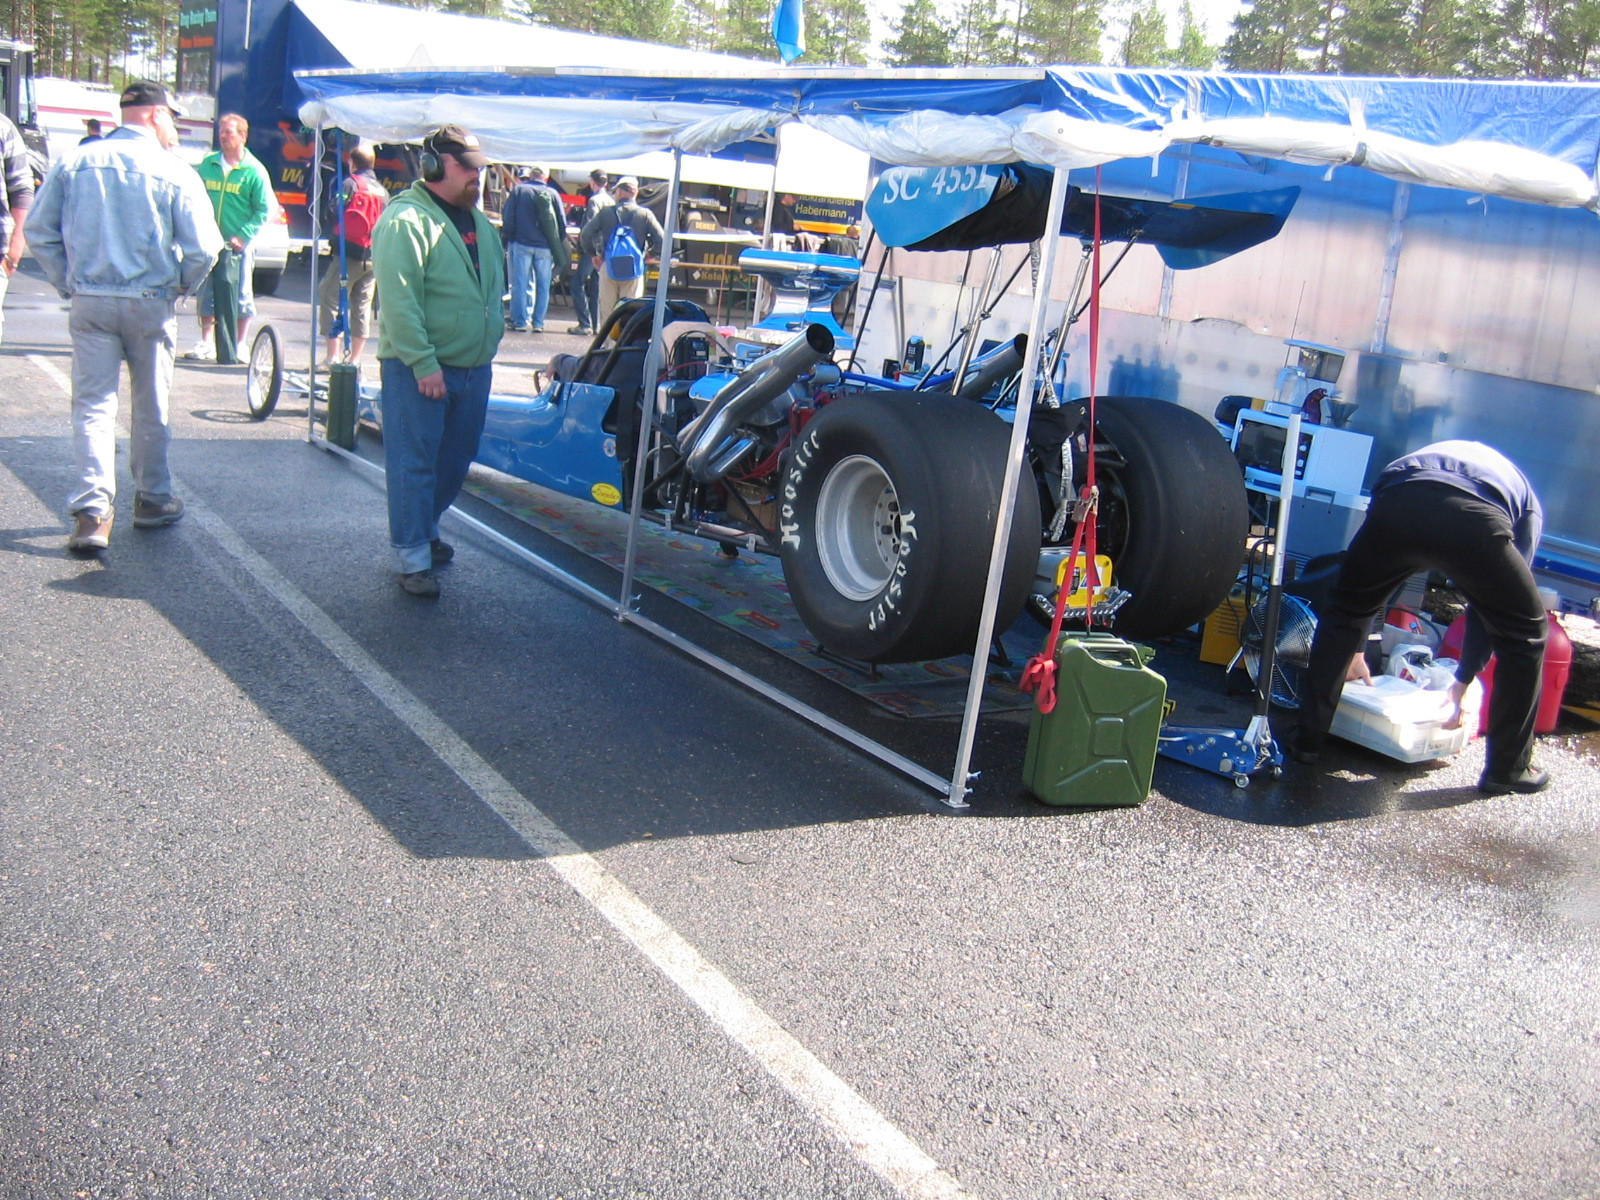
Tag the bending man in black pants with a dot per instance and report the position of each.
(1464, 509)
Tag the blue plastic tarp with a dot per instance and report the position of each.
(1524, 141)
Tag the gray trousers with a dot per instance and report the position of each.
(108, 331)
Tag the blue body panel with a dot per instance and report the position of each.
(556, 441)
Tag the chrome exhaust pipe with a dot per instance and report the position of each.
(707, 441)
(1001, 362)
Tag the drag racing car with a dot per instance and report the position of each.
(879, 494)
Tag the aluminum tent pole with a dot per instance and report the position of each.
(652, 366)
(311, 256)
(980, 303)
(1015, 462)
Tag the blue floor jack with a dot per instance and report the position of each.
(1242, 754)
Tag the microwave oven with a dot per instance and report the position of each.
(1327, 459)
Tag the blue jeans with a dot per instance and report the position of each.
(542, 261)
(427, 447)
(585, 291)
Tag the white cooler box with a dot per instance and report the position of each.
(1402, 720)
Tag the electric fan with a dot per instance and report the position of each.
(1297, 626)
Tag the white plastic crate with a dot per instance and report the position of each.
(1402, 720)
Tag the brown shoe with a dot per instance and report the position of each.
(420, 583)
(152, 511)
(90, 531)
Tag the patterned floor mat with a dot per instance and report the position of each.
(748, 594)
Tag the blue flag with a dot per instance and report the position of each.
(789, 29)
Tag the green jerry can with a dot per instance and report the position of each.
(1097, 747)
(343, 379)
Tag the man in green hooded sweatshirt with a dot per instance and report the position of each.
(440, 267)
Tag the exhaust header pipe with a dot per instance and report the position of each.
(995, 366)
(706, 441)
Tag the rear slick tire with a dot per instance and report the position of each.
(886, 522)
(1173, 513)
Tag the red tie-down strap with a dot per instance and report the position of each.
(1039, 676)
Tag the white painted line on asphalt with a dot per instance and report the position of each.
(876, 1142)
(880, 1146)
(61, 379)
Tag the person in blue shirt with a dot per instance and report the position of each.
(532, 225)
(1463, 509)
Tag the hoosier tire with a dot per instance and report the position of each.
(1173, 513)
(886, 520)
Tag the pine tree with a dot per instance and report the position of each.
(1274, 35)
(921, 38)
(1059, 31)
(745, 29)
(978, 35)
(838, 34)
(1193, 51)
(1145, 44)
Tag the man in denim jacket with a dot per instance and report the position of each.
(122, 229)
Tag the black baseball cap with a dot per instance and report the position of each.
(460, 144)
(142, 93)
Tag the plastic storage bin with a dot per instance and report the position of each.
(1097, 747)
(1400, 719)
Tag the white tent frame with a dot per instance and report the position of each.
(1064, 143)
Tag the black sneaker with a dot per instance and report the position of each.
(1529, 779)
(149, 512)
(420, 583)
(443, 552)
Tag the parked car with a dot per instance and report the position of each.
(271, 246)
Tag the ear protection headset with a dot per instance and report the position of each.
(430, 161)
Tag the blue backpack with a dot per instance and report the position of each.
(624, 255)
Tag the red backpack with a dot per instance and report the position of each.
(362, 211)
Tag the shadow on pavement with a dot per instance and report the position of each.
(614, 736)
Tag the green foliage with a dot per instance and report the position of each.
(921, 37)
(101, 40)
(1193, 51)
(1059, 31)
(838, 34)
(744, 27)
(1274, 35)
(1146, 42)
(978, 35)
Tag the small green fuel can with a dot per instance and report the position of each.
(343, 379)
(1097, 747)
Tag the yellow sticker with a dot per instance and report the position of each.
(604, 493)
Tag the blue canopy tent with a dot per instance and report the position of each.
(1532, 144)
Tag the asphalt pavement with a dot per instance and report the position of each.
(314, 890)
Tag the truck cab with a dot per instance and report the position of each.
(20, 104)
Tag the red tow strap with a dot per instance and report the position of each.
(1039, 676)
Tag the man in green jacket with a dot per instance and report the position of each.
(237, 184)
(441, 272)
